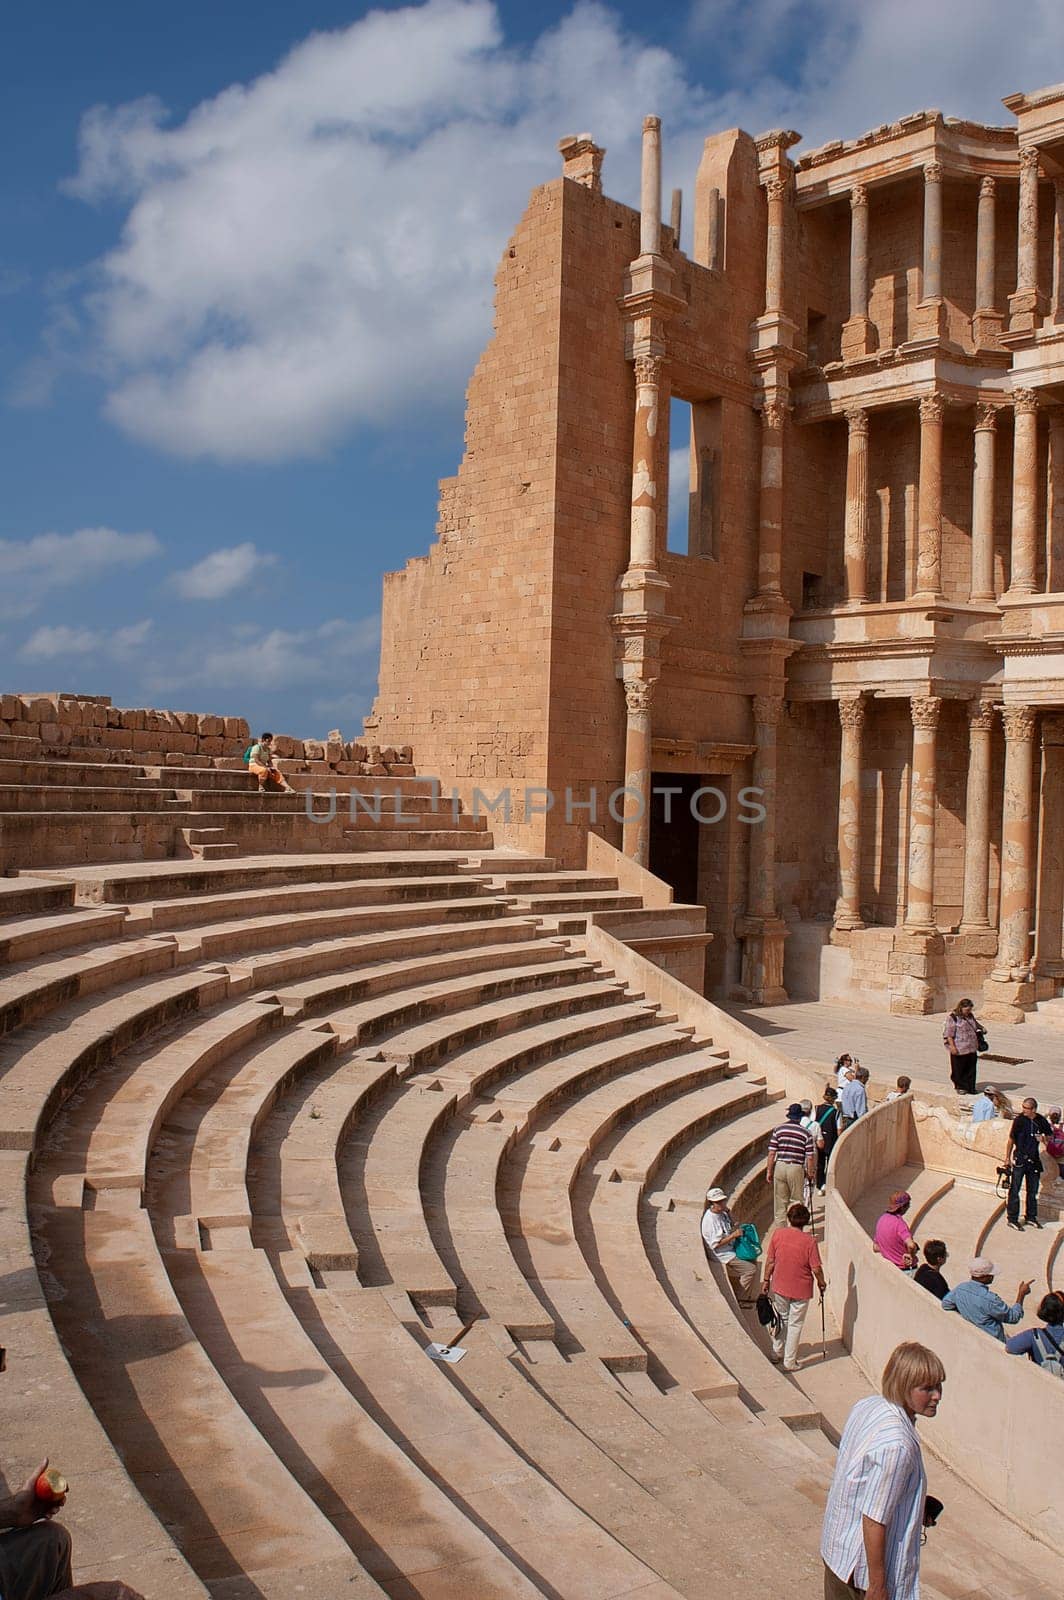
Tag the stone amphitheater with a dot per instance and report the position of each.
(285, 1102)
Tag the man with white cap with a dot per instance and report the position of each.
(720, 1233)
(979, 1305)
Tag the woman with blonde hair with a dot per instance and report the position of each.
(874, 1519)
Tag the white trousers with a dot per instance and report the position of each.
(792, 1315)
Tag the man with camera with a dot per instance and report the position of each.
(1023, 1155)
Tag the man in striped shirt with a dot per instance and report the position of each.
(874, 1517)
(791, 1159)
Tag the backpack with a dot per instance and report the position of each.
(748, 1244)
(1051, 1353)
(246, 758)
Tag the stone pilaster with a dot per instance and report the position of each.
(856, 531)
(638, 694)
(1027, 306)
(1048, 958)
(857, 333)
(975, 914)
(1022, 569)
(1008, 991)
(982, 581)
(762, 931)
(987, 320)
(929, 508)
(852, 709)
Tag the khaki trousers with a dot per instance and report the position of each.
(742, 1275)
(835, 1589)
(788, 1187)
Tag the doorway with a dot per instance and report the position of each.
(674, 832)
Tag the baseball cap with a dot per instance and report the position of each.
(981, 1267)
(713, 1195)
(795, 1112)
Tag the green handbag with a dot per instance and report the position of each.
(748, 1244)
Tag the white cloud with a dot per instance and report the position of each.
(59, 641)
(222, 572)
(30, 568)
(277, 659)
(312, 251)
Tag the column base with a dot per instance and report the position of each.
(929, 320)
(978, 939)
(761, 979)
(846, 922)
(1026, 309)
(1006, 999)
(858, 338)
(987, 327)
(911, 969)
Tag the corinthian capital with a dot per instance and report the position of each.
(638, 693)
(1029, 158)
(774, 414)
(1019, 722)
(858, 196)
(924, 710)
(987, 188)
(986, 416)
(776, 188)
(857, 422)
(852, 708)
(933, 172)
(648, 370)
(932, 407)
(768, 708)
(981, 717)
(1025, 401)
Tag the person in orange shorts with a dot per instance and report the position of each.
(263, 763)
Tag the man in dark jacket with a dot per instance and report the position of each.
(1024, 1154)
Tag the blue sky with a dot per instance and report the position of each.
(245, 271)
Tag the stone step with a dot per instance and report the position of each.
(28, 937)
(31, 989)
(39, 774)
(555, 904)
(27, 896)
(81, 797)
(292, 899)
(552, 883)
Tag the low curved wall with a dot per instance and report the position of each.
(1001, 1423)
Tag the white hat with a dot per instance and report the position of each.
(713, 1195)
(981, 1267)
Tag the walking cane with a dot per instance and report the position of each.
(823, 1329)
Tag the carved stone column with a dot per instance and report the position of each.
(1048, 962)
(638, 693)
(1022, 574)
(1014, 923)
(856, 532)
(975, 914)
(857, 330)
(986, 323)
(1055, 506)
(1057, 303)
(770, 533)
(1027, 306)
(982, 583)
(923, 794)
(644, 515)
(848, 907)
(762, 931)
(650, 189)
(776, 195)
(932, 274)
(929, 509)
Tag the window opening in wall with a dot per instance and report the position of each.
(812, 591)
(816, 324)
(694, 479)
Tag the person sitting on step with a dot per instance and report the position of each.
(263, 763)
(35, 1552)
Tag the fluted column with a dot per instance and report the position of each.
(1057, 304)
(638, 693)
(770, 533)
(1024, 554)
(975, 913)
(929, 508)
(920, 899)
(1027, 305)
(855, 543)
(643, 526)
(982, 582)
(857, 330)
(762, 898)
(932, 274)
(1050, 898)
(848, 906)
(776, 193)
(1014, 924)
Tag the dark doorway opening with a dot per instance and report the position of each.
(674, 832)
